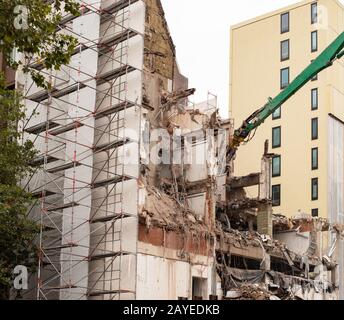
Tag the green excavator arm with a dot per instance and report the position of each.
(333, 52)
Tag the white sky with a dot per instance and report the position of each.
(200, 30)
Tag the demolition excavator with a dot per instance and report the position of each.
(325, 60)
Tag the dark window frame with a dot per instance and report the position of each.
(315, 166)
(316, 136)
(281, 78)
(314, 18)
(278, 202)
(315, 213)
(288, 29)
(282, 42)
(280, 137)
(315, 182)
(316, 106)
(275, 175)
(316, 44)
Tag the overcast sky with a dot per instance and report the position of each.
(200, 30)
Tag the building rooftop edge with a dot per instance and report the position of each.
(277, 12)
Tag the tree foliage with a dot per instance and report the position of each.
(31, 28)
(17, 232)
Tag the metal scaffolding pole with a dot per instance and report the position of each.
(83, 184)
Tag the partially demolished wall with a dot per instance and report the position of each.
(200, 235)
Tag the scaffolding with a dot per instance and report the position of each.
(207, 107)
(86, 182)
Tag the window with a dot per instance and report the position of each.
(315, 127)
(314, 98)
(285, 50)
(315, 189)
(315, 213)
(314, 13)
(277, 114)
(199, 288)
(276, 166)
(285, 22)
(276, 137)
(276, 195)
(315, 159)
(314, 41)
(284, 78)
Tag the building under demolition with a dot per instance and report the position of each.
(135, 198)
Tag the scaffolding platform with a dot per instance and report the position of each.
(106, 46)
(55, 93)
(64, 167)
(111, 145)
(65, 246)
(115, 8)
(114, 109)
(42, 127)
(43, 194)
(63, 206)
(114, 74)
(42, 159)
(108, 255)
(110, 218)
(66, 128)
(106, 182)
(110, 292)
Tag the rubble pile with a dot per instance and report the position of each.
(339, 228)
(250, 292)
(281, 223)
(246, 239)
(162, 210)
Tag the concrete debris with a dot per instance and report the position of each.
(195, 217)
(215, 121)
(191, 218)
(281, 223)
(241, 204)
(305, 223)
(247, 239)
(270, 285)
(308, 223)
(233, 294)
(247, 181)
(249, 264)
(286, 255)
(165, 211)
(265, 238)
(192, 120)
(339, 228)
(249, 292)
(329, 263)
(170, 99)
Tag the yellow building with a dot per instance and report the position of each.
(308, 132)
